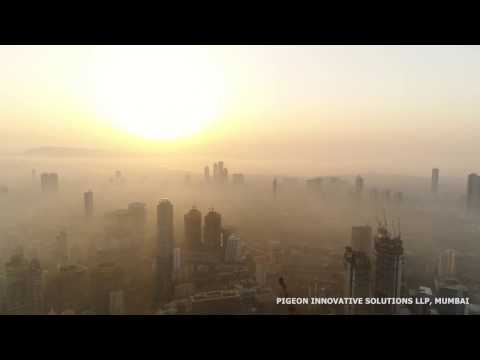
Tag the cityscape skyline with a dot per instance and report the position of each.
(234, 180)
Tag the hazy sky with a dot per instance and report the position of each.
(401, 109)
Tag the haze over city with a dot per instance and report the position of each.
(216, 179)
(301, 109)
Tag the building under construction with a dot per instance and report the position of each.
(388, 267)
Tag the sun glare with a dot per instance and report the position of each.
(157, 92)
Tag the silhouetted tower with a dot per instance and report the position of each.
(362, 239)
(88, 203)
(359, 186)
(220, 169)
(165, 246)
(215, 172)
(357, 278)
(212, 231)
(358, 265)
(389, 267)
(274, 188)
(473, 192)
(206, 173)
(435, 178)
(49, 182)
(193, 229)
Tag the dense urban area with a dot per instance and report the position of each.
(88, 237)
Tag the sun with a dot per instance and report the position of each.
(157, 92)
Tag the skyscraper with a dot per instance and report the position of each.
(23, 286)
(220, 169)
(359, 186)
(435, 178)
(88, 202)
(49, 182)
(215, 172)
(362, 239)
(106, 278)
(358, 267)
(212, 231)
(233, 248)
(473, 192)
(206, 173)
(238, 179)
(389, 267)
(357, 278)
(193, 229)
(165, 246)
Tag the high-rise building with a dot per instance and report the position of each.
(238, 179)
(88, 203)
(233, 248)
(220, 170)
(36, 286)
(357, 278)
(193, 229)
(49, 182)
(106, 278)
(362, 240)
(206, 173)
(446, 263)
(399, 197)
(23, 288)
(165, 246)
(358, 267)
(359, 186)
(212, 230)
(69, 289)
(118, 229)
(388, 267)
(473, 192)
(435, 178)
